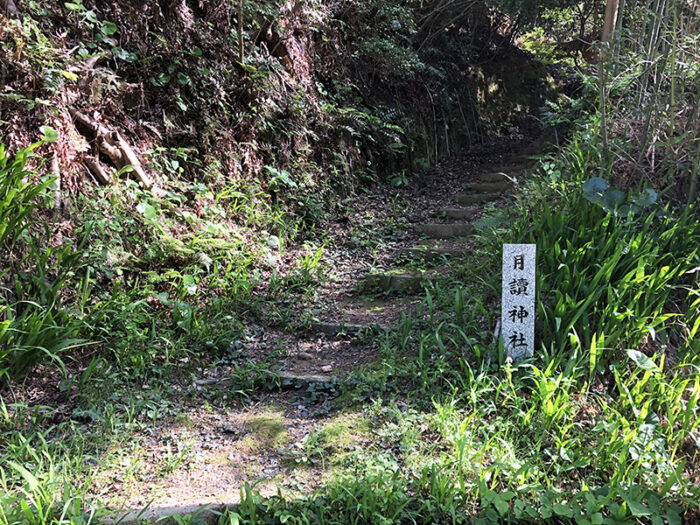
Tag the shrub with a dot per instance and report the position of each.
(34, 278)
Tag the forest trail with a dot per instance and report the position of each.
(374, 277)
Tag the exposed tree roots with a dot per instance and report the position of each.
(111, 143)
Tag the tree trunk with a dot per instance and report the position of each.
(611, 10)
(8, 7)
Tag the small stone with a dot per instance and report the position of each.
(273, 242)
(204, 260)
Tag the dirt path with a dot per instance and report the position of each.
(378, 258)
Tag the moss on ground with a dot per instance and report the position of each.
(266, 430)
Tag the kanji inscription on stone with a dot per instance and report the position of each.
(518, 300)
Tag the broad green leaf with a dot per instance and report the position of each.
(612, 198)
(645, 199)
(49, 134)
(109, 28)
(637, 508)
(148, 211)
(642, 361)
(190, 284)
(126, 56)
(562, 510)
(593, 189)
(501, 506)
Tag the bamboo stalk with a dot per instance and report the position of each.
(695, 168)
(652, 47)
(241, 50)
(602, 70)
(618, 28)
(56, 172)
(672, 95)
(611, 12)
(693, 190)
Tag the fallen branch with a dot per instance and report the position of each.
(112, 144)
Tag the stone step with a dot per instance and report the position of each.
(287, 380)
(477, 198)
(208, 513)
(445, 231)
(536, 146)
(510, 166)
(499, 172)
(397, 282)
(432, 253)
(492, 176)
(333, 329)
(489, 187)
(292, 380)
(524, 158)
(457, 213)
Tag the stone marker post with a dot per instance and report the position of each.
(518, 300)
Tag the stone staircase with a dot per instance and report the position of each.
(445, 237)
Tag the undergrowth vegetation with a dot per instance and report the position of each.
(34, 323)
(600, 427)
(124, 296)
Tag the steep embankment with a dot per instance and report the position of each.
(328, 91)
